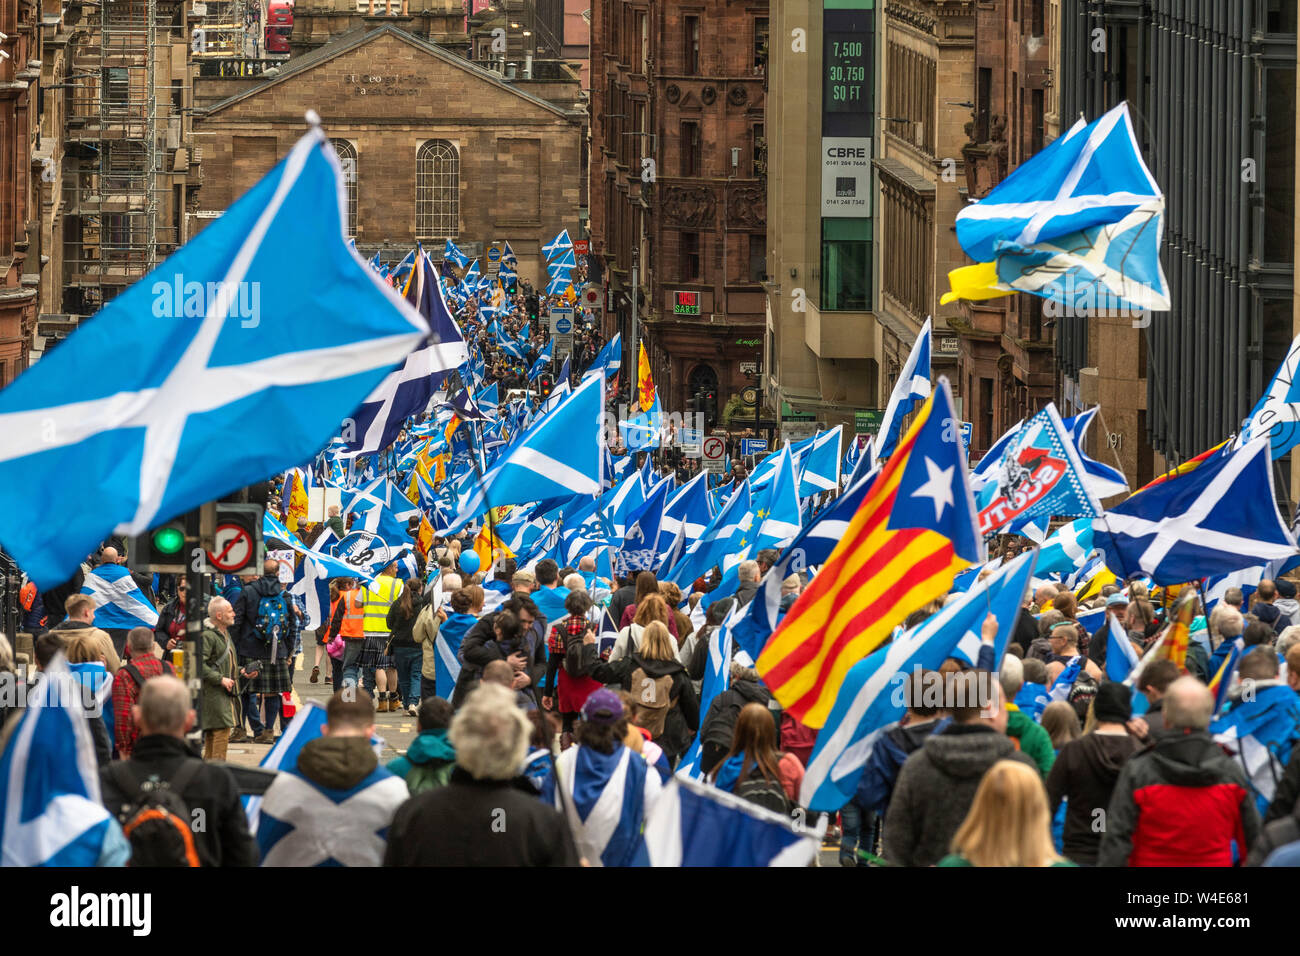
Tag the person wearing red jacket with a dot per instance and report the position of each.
(141, 665)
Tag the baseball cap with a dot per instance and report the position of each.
(1115, 599)
(603, 708)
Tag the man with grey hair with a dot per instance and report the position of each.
(1226, 623)
(481, 817)
(1034, 741)
(164, 716)
(748, 575)
(1184, 802)
(219, 668)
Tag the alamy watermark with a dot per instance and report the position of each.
(1084, 300)
(181, 299)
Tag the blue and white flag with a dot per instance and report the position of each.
(1078, 223)
(717, 678)
(1215, 519)
(405, 392)
(608, 799)
(1277, 414)
(1121, 658)
(697, 825)
(1067, 549)
(990, 466)
(776, 519)
(106, 452)
(712, 547)
(874, 692)
(119, 602)
(820, 463)
(640, 550)
(1039, 475)
(489, 400)
(453, 254)
(557, 285)
(543, 361)
(51, 812)
(326, 564)
(609, 359)
(913, 386)
(1102, 480)
(558, 457)
(1261, 733)
(557, 246)
(643, 430)
(686, 516)
(469, 281)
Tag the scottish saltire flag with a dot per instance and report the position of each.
(557, 246)
(1067, 549)
(558, 457)
(913, 386)
(453, 254)
(1040, 475)
(451, 633)
(640, 550)
(1079, 223)
(405, 392)
(51, 813)
(1121, 658)
(1216, 519)
(686, 516)
(606, 798)
(1261, 733)
(1277, 414)
(1092, 620)
(1102, 480)
(469, 281)
(820, 464)
(543, 361)
(119, 602)
(508, 255)
(775, 521)
(617, 505)
(609, 359)
(813, 546)
(1060, 689)
(712, 547)
(873, 695)
(466, 407)
(116, 452)
(507, 274)
(644, 430)
(557, 285)
(717, 678)
(489, 400)
(403, 268)
(692, 824)
(326, 563)
(990, 466)
(566, 263)
(311, 583)
(514, 348)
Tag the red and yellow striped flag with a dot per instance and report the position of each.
(873, 579)
(1173, 645)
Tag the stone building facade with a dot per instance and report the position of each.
(19, 131)
(678, 194)
(434, 147)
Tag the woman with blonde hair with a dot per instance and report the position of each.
(1008, 822)
(666, 703)
(652, 608)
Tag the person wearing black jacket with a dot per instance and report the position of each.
(719, 726)
(164, 716)
(622, 598)
(655, 658)
(501, 636)
(272, 658)
(407, 654)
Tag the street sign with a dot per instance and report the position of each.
(686, 303)
(591, 297)
(712, 451)
(689, 439)
(561, 333)
(753, 446)
(966, 429)
(494, 254)
(867, 421)
(797, 431)
(233, 548)
(748, 368)
(563, 326)
(581, 247)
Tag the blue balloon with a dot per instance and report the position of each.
(469, 562)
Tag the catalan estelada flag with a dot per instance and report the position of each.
(915, 529)
(645, 386)
(1173, 646)
(1190, 464)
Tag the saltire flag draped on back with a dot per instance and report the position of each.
(876, 690)
(1216, 519)
(1079, 223)
(119, 452)
(119, 602)
(913, 385)
(914, 531)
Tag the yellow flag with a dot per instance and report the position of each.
(645, 386)
(976, 282)
(488, 545)
(295, 501)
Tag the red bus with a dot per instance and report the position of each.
(279, 24)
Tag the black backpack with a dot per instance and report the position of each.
(155, 819)
(765, 793)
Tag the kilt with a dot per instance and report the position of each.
(273, 679)
(372, 653)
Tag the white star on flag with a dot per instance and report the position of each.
(939, 487)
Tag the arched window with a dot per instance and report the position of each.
(347, 154)
(703, 384)
(437, 191)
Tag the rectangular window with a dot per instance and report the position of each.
(690, 264)
(1036, 17)
(760, 45)
(691, 37)
(846, 265)
(759, 141)
(1279, 167)
(638, 42)
(692, 149)
(1036, 133)
(983, 97)
(986, 412)
(757, 257)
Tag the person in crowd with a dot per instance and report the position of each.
(1007, 824)
(1061, 723)
(264, 632)
(1184, 802)
(748, 575)
(425, 633)
(220, 667)
(550, 594)
(1154, 684)
(647, 585)
(169, 632)
(1087, 769)
(1032, 698)
(141, 665)
(484, 815)
(80, 623)
(377, 665)
(718, 729)
(500, 636)
(652, 608)
(694, 652)
(572, 657)
(666, 702)
(161, 754)
(753, 768)
(937, 783)
(1033, 739)
(406, 653)
(672, 596)
(336, 806)
(429, 759)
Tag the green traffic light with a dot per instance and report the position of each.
(168, 540)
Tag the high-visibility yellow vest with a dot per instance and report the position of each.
(380, 595)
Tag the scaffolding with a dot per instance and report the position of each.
(111, 183)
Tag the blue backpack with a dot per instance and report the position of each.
(271, 615)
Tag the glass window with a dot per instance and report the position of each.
(846, 265)
(347, 154)
(437, 191)
(691, 37)
(757, 257)
(691, 257)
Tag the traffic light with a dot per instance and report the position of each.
(161, 549)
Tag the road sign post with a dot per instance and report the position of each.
(561, 333)
(712, 451)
